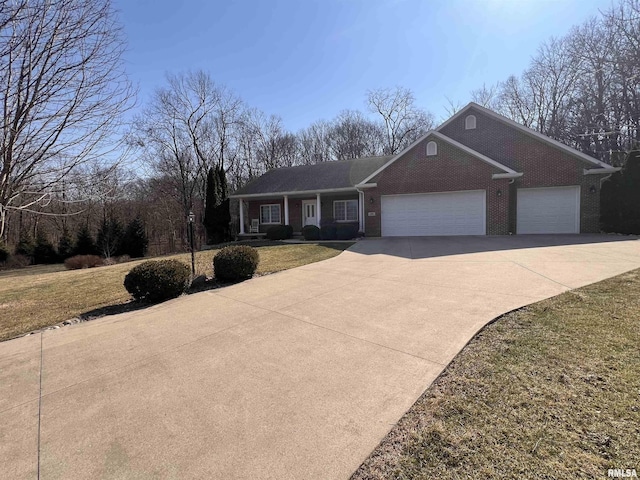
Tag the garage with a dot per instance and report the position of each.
(430, 214)
(548, 210)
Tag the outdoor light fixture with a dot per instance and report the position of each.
(499, 193)
(371, 200)
(192, 218)
(592, 189)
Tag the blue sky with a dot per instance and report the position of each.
(308, 59)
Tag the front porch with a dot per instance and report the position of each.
(257, 213)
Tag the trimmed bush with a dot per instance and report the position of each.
(280, 232)
(311, 232)
(79, 262)
(328, 232)
(235, 263)
(346, 232)
(155, 281)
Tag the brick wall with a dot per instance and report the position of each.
(450, 170)
(295, 209)
(543, 165)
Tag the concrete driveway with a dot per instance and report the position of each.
(296, 375)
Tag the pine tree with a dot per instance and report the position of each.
(620, 198)
(65, 245)
(25, 244)
(135, 241)
(630, 208)
(43, 252)
(84, 242)
(109, 240)
(217, 218)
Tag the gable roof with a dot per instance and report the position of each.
(506, 171)
(326, 176)
(532, 133)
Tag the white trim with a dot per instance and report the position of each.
(451, 141)
(318, 210)
(345, 210)
(241, 216)
(526, 130)
(270, 205)
(303, 205)
(361, 210)
(301, 192)
(286, 210)
(497, 176)
(366, 185)
(484, 201)
(600, 171)
(470, 122)
(432, 148)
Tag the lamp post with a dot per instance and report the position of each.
(191, 219)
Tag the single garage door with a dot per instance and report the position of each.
(450, 213)
(549, 210)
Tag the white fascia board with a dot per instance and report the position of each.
(366, 185)
(601, 171)
(526, 130)
(451, 141)
(497, 176)
(301, 192)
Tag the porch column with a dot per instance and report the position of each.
(361, 210)
(286, 210)
(318, 208)
(241, 216)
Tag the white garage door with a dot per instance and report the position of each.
(451, 213)
(549, 210)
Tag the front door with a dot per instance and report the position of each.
(308, 213)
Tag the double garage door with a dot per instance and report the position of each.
(540, 210)
(450, 213)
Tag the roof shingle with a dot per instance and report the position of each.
(320, 176)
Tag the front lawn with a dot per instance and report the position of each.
(549, 391)
(41, 296)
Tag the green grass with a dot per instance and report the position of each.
(41, 296)
(549, 391)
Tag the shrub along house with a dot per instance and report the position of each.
(478, 173)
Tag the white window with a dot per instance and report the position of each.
(432, 149)
(270, 213)
(345, 210)
(470, 122)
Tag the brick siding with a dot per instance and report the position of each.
(542, 165)
(295, 210)
(451, 170)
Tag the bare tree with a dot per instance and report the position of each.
(452, 107)
(63, 92)
(487, 96)
(352, 136)
(189, 126)
(403, 121)
(314, 143)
